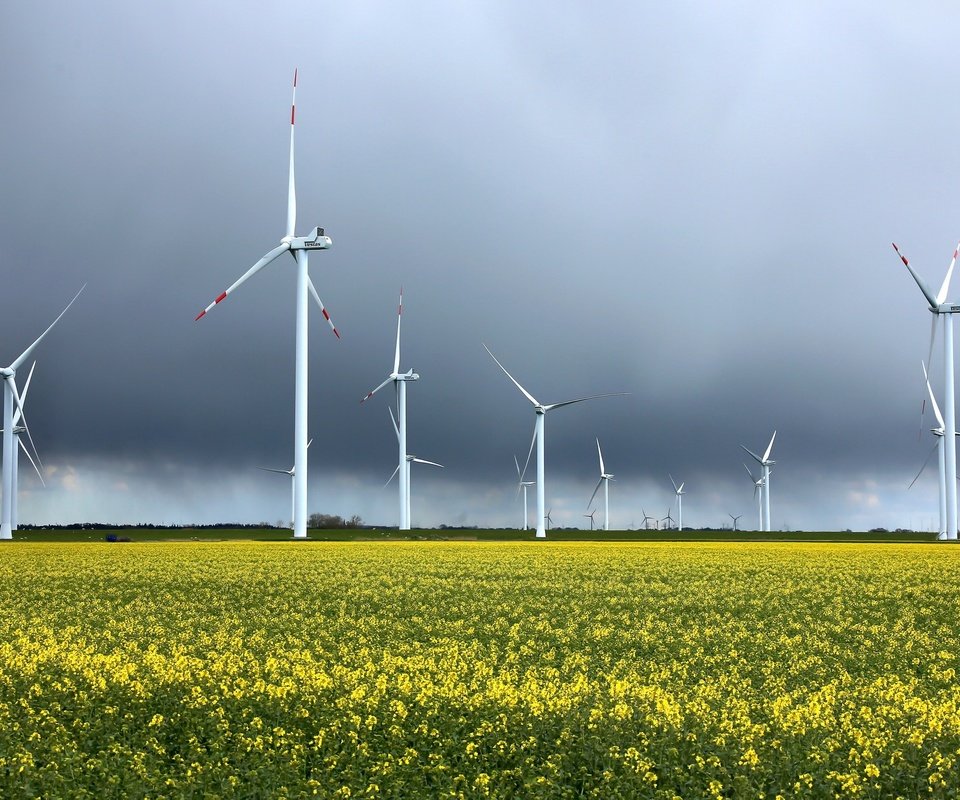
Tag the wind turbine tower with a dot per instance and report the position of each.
(678, 490)
(939, 307)
(298, 247)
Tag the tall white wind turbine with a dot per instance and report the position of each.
(541, 410)
(605, 478)
(399, 380)
(408, 460)
(292, 472)
(734, 518)
(11, 398)
(522, 484)
(678, 490)
(298, 247)
(940, 307)
(766, 462)
(757, 493)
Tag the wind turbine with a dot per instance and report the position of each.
(605, 478)
(548, 521)
(590, 517)
(400, 385)
(678, 490)
(758, 493)
(11, 397)
(293, 484)
(765, 463)
(668, 519)
(408, 460)
(941, 478)
(17, 430)
(523, 485)
(647, 518)
(541, 410)
(939, 307)
(298, 247)
(734, 518)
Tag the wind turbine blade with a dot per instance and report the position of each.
(424, 461)
(673, 482)
(34, 463)
(748, 468)
(396, 354)
(323, 310)
(925, 462)
(23, 396)
(602, 470)
(945, 286)
(309, 443)
(934, 322)
(583, 399)
(923, 286)
(595, 490)
(933, 400)
(372, 393)
(393, 419)
(392, 474)
(247, 275)
(517, 463)
(23, 416)
(533, 441)
(754, 455)
(766, 454)
(526, 394)
(21, 359)
(292, 188)
(281, 471)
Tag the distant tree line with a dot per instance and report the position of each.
(330, 521)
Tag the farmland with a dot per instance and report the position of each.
(502, 669)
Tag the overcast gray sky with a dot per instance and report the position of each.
(692, 202)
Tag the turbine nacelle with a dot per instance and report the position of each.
(315, 240)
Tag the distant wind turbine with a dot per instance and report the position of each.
(298, 247)
(293, 484)
(17, 430)
(522, 484)
(399, 380)
(547, 519)
(590, 517)
(668, 519)
(605, 478)
(540, 410)
(408, 460)
(939, 446)
(11, 398)
(648, 519)
(766, 462)
(678, 490)
(757, 493)
(734, 518)
(940, 307)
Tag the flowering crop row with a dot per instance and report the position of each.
(479, 670)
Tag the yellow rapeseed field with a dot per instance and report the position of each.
(524, 670)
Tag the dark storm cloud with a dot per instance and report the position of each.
(690, 204)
